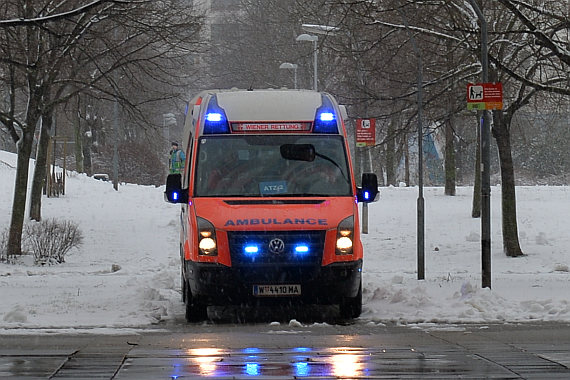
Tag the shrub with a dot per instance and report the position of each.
(50, 240)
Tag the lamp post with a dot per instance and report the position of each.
(314, 39)
(485, 160)
(291, 66)
(420, 202)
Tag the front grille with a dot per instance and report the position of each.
(314, 240)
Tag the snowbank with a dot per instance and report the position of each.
(135, 230)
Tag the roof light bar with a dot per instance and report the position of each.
(214, 116)
(216, 121)
(325, 117)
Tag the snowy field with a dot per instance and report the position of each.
(136, 230)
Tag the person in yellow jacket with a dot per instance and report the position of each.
(176, 159)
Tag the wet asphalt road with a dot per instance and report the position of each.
(263, 350)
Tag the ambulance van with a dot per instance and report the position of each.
(269, 202)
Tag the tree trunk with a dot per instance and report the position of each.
(20, 187)
(449, 159)
(476, 208)
(501, 133)
(87, 164)
(38, 181)
(78, 149)
(390, 154)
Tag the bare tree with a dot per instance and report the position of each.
(57, 52)
(528, 48)
(530, 57)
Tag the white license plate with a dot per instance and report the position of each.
(276, 290)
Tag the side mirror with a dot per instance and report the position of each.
(174, 192)
(369, 190)
(298, 152)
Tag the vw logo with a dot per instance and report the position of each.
(276, 246)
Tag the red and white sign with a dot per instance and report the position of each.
(365, 132)
(270, 127)
(485, 96)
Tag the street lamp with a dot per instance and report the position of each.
(314, 39)
(321, 29)
(291, 66)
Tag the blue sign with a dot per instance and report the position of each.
(273, 187)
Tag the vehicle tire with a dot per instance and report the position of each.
(351, 307)
(182, 276)
(183, 286)
(196, 311)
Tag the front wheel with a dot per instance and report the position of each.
(183, 286)
(351, 307)
(196, 311)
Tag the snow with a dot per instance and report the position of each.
(135, 231)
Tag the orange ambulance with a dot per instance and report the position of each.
(269, 202)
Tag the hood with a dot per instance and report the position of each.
(275, 214)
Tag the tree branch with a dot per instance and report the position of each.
(63, 15)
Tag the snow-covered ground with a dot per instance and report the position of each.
(135, 229)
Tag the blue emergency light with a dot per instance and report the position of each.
(251, 249)
(175, 196)
(214, 117)
(301, 249)
(325, 117)
(366, 195)
(216, 121)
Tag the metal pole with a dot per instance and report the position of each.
(420, 202)
(116, 129)
(486, 162)
(365, 218)
(115, 145)
(315, 65)
(295, 77)
(365, 204)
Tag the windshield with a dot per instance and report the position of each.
(252, 166)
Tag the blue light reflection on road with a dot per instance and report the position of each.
(340, 362)
(302, 369)
(252, 369)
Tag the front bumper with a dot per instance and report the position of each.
(217, 284)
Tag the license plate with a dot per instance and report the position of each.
(276, 290)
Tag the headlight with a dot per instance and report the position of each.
(344, 236)
(206, 238)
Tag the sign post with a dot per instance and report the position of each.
(365, 136)
(365, 132)
(485, 96)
